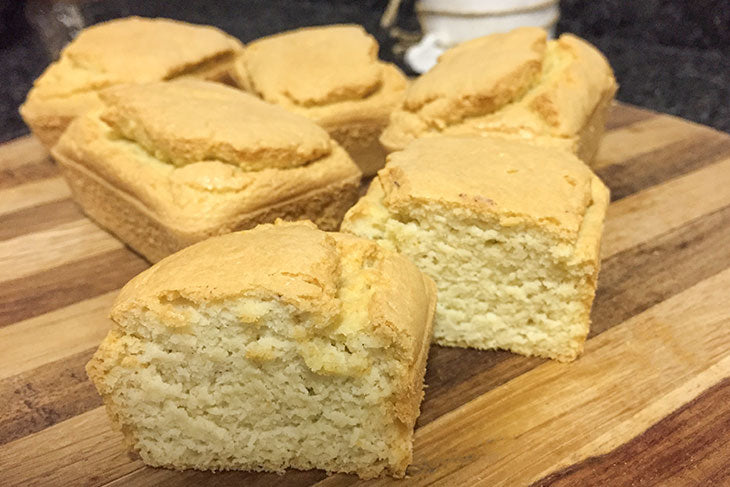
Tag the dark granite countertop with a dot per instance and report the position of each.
(669, 56)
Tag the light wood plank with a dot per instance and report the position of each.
(620, 145)
(79, 451)
(33, 194)
(532, 420)
(541, 421)
(658, 409)
(686, 448)
(22, 151)
(622, 114)
(646, 215)
(55, 335)
(66, 284)
(537, 422)
(68, 242)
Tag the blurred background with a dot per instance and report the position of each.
(672, 56)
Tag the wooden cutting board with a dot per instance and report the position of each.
(648, 403)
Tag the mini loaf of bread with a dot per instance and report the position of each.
(164, 165)
(128, 50)
(282, 346)
(515, 85)
(510, 232)
(331, 75)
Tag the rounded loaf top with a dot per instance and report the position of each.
(339, 283)
(517, 82)
(314, 66)
(510, 179)
(133, 50)
(188, 121)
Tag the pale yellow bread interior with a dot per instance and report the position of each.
(509, 231)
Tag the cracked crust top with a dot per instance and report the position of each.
(314, 66)
(128, 50)
(302, 266)
(197, 153)
(330, 74)
(517, 83)
(188, 121)
(490, 178)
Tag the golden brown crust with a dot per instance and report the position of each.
(468, 184)
(187, 121)
(547, 92)
(314, 66)
(128, 50)
(330, 75)
(408, 404)
(296, 264)
(197, 199)
(133, 223)
(465, 82)
(510, 180)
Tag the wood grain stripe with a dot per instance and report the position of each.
(620, 146)
(42, 397)
(689, 447)
(636, 279)
(38, 218)
(678, 158)
(26, 173)
(22, 151)
(67, 284)
(33, 194)
(523, 430)
(62, 244)
(644, 216)
(622, 115)
(52, 336)
(82, 450)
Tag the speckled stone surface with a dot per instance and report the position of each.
(672, 56)
(669, 56)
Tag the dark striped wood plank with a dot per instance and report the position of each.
(38, 218)
(27, 173)
(68, 283)
(678, 158)
(627, 115)
(688, 447)
(665, 251)
(46, 395)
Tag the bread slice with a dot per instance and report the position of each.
(128, 50)
(331, 75)
(510, 232)
(515, 85)
(165, 165)
(282, 346)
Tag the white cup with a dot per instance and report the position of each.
(447, 23)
